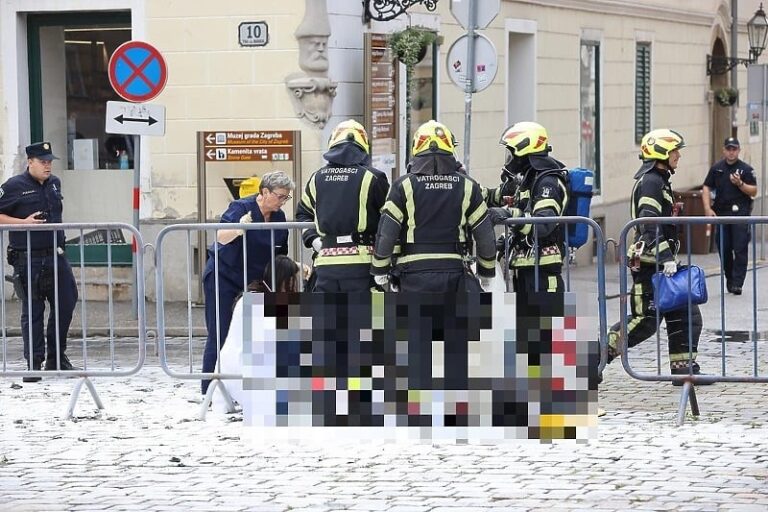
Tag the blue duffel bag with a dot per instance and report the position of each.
(671, 293)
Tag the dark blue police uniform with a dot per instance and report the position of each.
(230, 276)
(730, 201)
(38, 259)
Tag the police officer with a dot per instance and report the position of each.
(222, 288)
(431, 211)
(652, 197)
(540, 192)
(732, 183)
(34, 197)
(343, 199)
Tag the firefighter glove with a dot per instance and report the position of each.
(317, 244)
(382, 281)
(486, 283)
(670, 268)
(499, 215)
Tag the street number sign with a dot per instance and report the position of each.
(253, 33)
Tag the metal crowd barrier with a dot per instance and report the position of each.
(191, 369)
(689, 381)
(12, 360)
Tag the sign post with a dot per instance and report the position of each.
(137, 72)
(381, 104)
(472, 15)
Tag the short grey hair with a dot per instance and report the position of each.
(276, 179)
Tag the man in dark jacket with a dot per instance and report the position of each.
(540, 191)
(734, 185)
(655, 250)
(431, 212)
(343, 199)
(40, 268)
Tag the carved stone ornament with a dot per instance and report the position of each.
(312, 98)
(311, 91)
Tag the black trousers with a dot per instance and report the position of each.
(550, 279)
(343, 278)
(439, 282)
(734, 251)
(43, 288)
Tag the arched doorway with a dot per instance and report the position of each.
(720, 115)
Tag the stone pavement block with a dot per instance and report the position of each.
(411, 508)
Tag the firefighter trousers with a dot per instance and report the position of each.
(550, 279)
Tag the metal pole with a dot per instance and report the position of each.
(734, 69)
(202, 208)
(470, 80)
(137, 251)
(762, 163)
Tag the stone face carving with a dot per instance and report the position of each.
(311, 90)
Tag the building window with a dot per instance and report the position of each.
(589, 108)
(642, 90)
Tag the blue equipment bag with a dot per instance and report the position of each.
(671, 293)
(580, 184)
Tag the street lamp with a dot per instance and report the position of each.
(757, 30)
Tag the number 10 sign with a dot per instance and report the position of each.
(253, 33)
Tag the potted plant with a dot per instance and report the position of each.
(409, 46)
(727, 96)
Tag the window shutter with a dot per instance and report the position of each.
(642, 90)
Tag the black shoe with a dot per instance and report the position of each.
(686, 371)
(736, 290)
(50, 364)
(37, 365)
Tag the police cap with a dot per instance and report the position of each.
(731, 142)
(41, 151)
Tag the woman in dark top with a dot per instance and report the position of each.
(222, 287)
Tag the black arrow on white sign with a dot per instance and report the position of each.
(122, 119)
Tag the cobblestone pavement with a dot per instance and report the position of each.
(147, 451)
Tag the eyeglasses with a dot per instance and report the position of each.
(281, 197)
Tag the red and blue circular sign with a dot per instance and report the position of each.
(137, 71)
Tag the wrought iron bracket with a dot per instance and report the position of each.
(385, 10)
(722, 65)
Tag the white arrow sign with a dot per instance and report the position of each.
(135, 118)
(486, 11)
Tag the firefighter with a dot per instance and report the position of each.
(432, 211)
(652, 197)
(540, 191)
(343, 199)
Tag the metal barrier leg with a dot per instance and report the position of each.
(209, 397)
(688, 395)
(76, 393)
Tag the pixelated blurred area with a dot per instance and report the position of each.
(454, 366)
